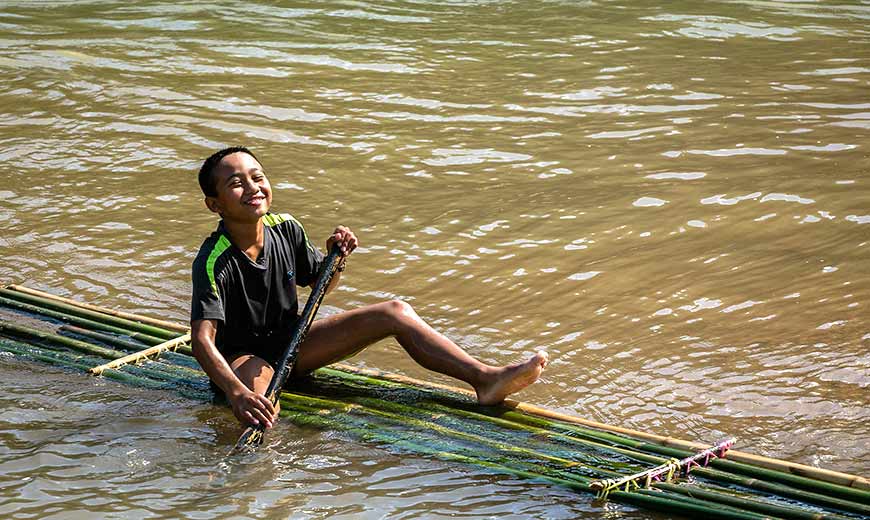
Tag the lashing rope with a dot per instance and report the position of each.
(665, 472)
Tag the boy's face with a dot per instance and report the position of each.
(243, 191)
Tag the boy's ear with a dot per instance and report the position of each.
(212, 204)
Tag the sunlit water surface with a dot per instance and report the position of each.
(673, 201)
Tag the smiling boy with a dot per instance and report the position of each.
(244, 301)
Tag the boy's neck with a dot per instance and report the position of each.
(247, 236)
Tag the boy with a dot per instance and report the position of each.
(244, 301)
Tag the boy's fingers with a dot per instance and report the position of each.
(267, 405)
(259, 416)
(250, 418)
(345, 238)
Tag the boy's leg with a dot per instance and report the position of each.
(255, 372)
(337, 337)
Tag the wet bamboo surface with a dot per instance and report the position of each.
(442, 422)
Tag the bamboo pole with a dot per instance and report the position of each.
(713, 474)
(767, 508)
(120, 314)
(81, 346)
(843, 479)
(161, 377)
(401, 415)
(84, 322)
(654, 500)
(68, 360)
(822, 491)
(840, 478)
(182, 355)
(542, 429)
(81, 312)
(851, 499)
(125, 344)
(142, 354)
(836, 477)
(102, 337)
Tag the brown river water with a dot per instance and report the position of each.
(673, 201)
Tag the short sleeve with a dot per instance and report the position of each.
(205, 302)
(308, 258)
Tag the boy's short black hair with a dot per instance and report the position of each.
(206, 172)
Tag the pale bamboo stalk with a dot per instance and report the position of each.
(118, 314)
(826, 475)
(142, 354)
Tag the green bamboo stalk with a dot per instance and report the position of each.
(154, 378)
(112, 312)
(458, 404)
(74, 344)
(127, 345)
(163, 375)
(843, 479)
(363, 405)
(851, 497)
(121, 342)
(401, 411)
(84, 322)
(636, 447)
(76, 361)
(344, 420)
(637, 456)
(819, 488)
(89, 314)
(710, 473)
(757, 506)
(403, 416)
(657, 501)
(95, 350)
(69, 360)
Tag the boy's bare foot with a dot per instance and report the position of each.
(510, 379)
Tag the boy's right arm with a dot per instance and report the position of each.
(249, 407)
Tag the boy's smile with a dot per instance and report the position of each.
(243, 191)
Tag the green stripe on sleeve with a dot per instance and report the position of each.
(222, 244)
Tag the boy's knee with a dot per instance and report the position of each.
(398, 309)
(252, 370)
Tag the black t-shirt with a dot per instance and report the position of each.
(254, 303)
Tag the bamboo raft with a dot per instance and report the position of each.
(400, 413)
